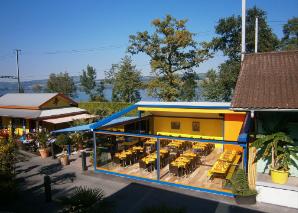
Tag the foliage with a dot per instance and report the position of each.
(61, 83)
(171, 49)
(162, 209)
(85, 199)
(63, 140)
(290, 39)
(211, 86)
(278, 148)
(8, 185)
(88, 83)
(42, 138)
(126, 81)
(229, 42)
(77, 138)
(240, 184)
(105, 108)
(189, 86)
(37, 88)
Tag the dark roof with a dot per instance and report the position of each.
(268, 81)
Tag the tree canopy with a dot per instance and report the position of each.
(89, 86)
(229, 42)
(290, 39)
(189, 86)
(126, 81)
(61, 83)
(172, 49)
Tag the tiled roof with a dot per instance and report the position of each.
(268, 81)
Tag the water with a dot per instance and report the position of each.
(82, 96)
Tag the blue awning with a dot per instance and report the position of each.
(88, 127)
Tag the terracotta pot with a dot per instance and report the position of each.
(245, 200)
(64, 160)
(44, 153)
(80, 147)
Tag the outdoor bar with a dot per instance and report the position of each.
(195, 145)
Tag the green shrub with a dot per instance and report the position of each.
(240, 184)
(104, 109)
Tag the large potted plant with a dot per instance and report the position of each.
(242, 193)
(279, 151)
(63, 140)
(78, 138)
(42, 139)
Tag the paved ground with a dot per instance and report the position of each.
(126, 195)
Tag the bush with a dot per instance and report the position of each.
(240, 184)
(104, 109)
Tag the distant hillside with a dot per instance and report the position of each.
(11, 87)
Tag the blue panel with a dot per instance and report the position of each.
(243, 138)
(166, 183)
(112, 117)
(183, 107)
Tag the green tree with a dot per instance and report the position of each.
(189, 86)
(229, 42)
(211, 86)
(88, 81)
(126, 81)
(290, 39)
(61, 83)
(171, 49)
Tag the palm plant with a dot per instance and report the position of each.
(278, 149)
(85, 199)
(42, 138)
(77, 138)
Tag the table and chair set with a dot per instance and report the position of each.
(129, 156)
(226, 165)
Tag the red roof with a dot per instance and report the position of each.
(268, 81)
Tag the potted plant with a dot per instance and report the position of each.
(279, 150)
(63, 140)
(42, 139)
(242, 193)
(78, 138)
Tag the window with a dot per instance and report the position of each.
(175, 125)
(196, 126)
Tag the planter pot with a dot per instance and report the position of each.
(64, 160)
(245, 200)
(44, 153)
(80, 147)
(279, 177)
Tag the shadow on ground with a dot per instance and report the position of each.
(135, 197)
(50, 169)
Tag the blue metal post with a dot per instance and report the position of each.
(245, 157)
(94, 150)
(68, 149)
(139, 121)
(158, 159)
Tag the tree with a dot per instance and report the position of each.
(88, 82)
(189, 86)
(229, 42)
(126, 81)
(171, 49)
(211, 87)
(290, 39)
(37, 88)
(61, 83)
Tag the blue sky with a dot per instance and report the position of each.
(100, 30)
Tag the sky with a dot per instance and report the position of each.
(66, 35)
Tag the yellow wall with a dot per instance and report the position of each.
(208, 127)
(233, 125)
(57, 101)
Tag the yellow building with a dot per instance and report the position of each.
(26, 112)
(196, 145)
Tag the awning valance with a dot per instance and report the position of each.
(69, 118)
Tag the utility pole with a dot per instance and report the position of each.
(256, 34)
(18, 69)
(243, 29)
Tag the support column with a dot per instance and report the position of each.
(158, 159)
(139, 121)
(94, 150)
(245, 158)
